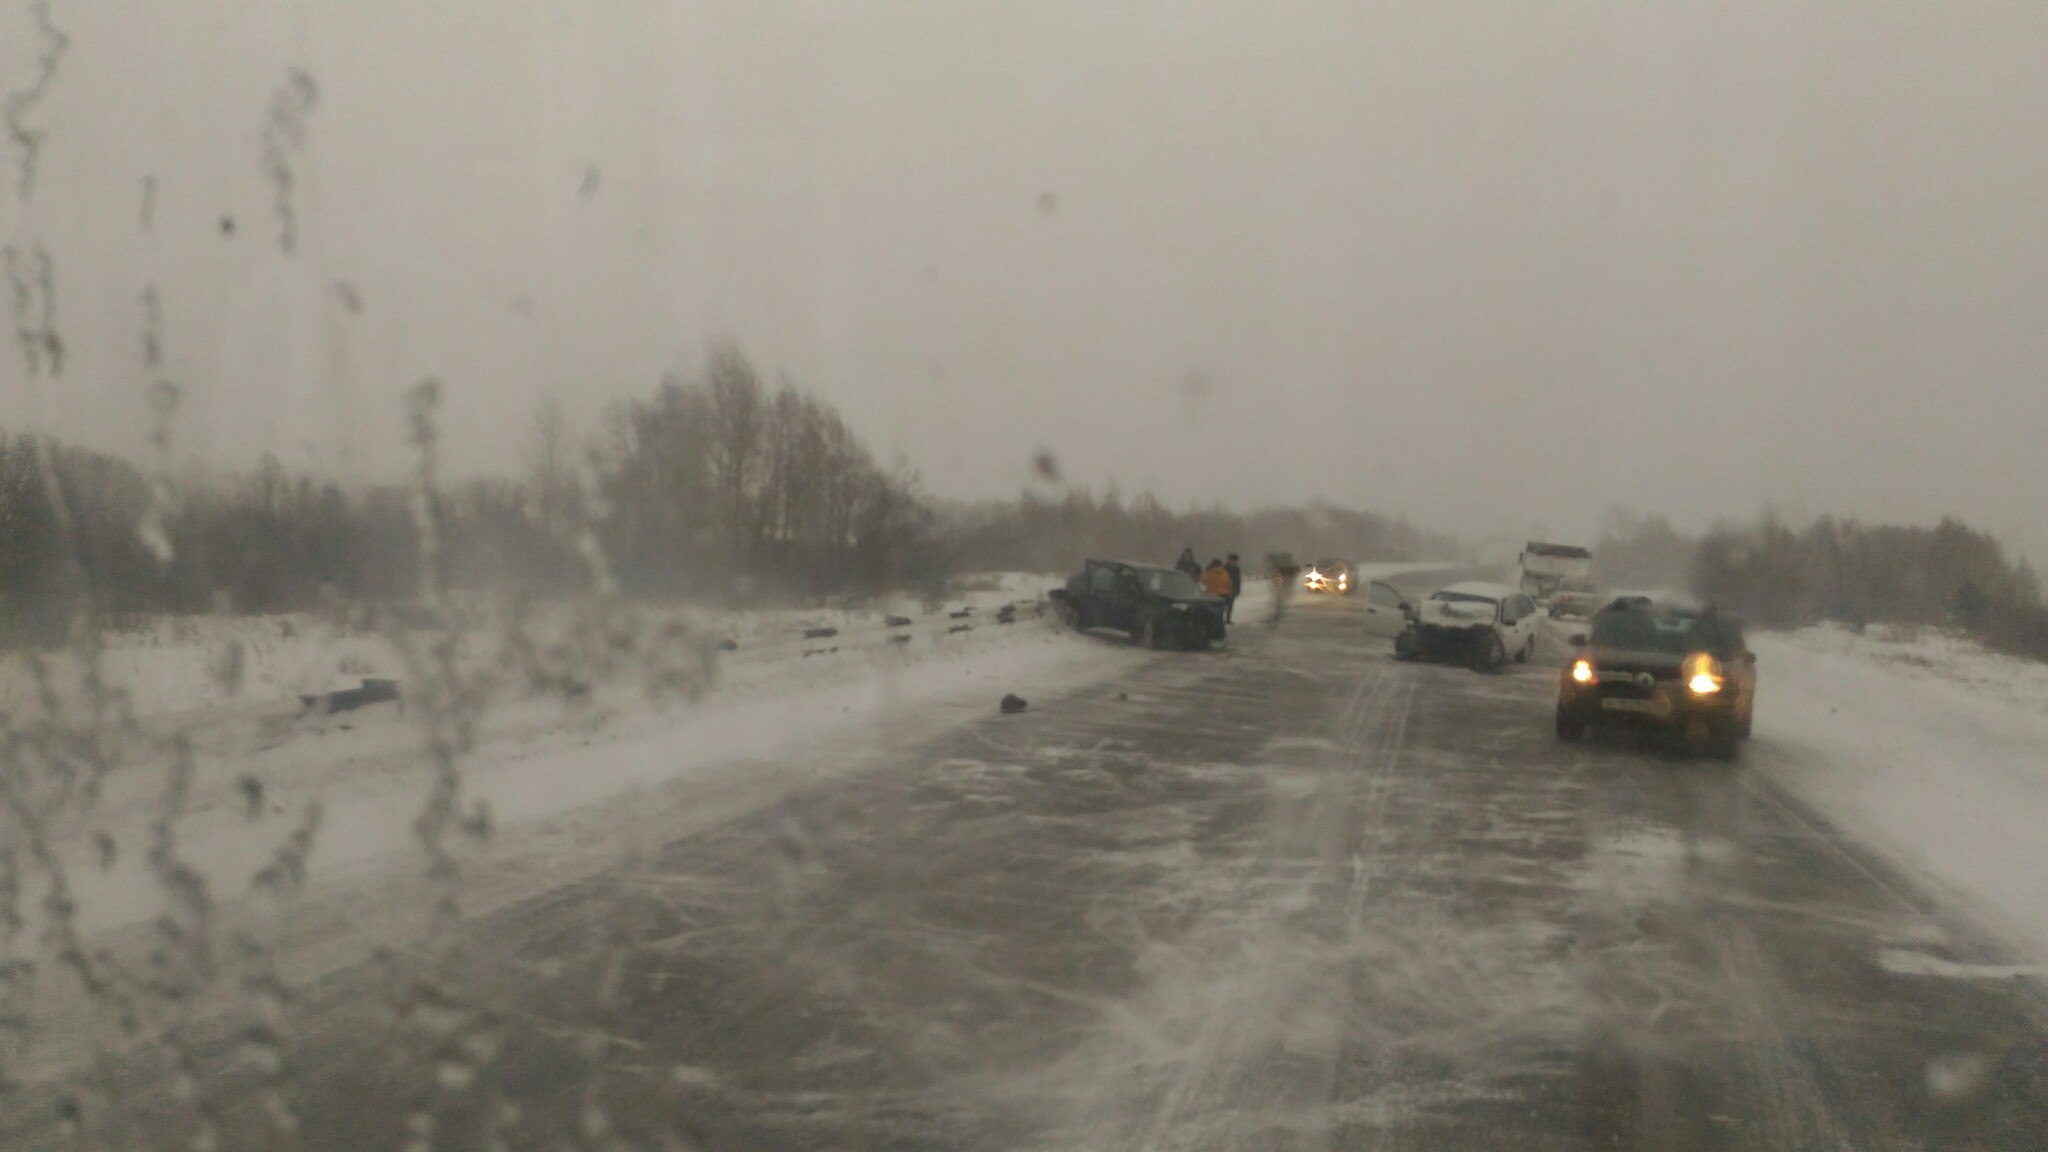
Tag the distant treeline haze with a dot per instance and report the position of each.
(1779, 576)
(725, 490)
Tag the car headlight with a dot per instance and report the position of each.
(1703, 674)
(1582, 671)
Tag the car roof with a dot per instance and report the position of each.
(1135, 566)
(1481, 588)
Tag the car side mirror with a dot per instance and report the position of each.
(1578, 639)
(1749, 658)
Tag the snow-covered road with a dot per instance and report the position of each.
(1292, 894)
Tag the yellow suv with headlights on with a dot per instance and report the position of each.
(1677, 667)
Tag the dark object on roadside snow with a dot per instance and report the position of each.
(252, 796)
(960, 628)
(899, 621)
(1669, 666)
(1014, 703)
(728, 645)
(373, 691)
(820, 633)
(962, 614)
(1008, 615)
(900, 638)
(1157, 607)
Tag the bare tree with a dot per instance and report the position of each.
(551, 467)
(738, 421)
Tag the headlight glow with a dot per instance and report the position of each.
(1702, 674)
(1582, 672)
(1705, 685)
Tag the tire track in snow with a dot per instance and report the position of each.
(1266, 1056)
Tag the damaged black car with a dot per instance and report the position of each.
(1157, 607)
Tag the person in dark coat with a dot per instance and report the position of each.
(1236, 586)
(1188, 564)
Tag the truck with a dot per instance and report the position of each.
(1545, 566)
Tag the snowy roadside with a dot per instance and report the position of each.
(1927, 748)
(535, 757)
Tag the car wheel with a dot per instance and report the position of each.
(1072, 617)
(1569, 727)
(1556, 614)
(1528, 650)
(1748, 720)
(1492, 654)
(1404, 646)
(1148, 635)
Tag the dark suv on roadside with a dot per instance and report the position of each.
(1666, 665)
(1157, 607)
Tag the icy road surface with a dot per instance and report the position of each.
(1291, 896)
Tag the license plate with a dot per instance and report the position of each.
(1623, 704)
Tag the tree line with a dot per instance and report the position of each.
(1056, 532)
(1779, 575)
(718, 488)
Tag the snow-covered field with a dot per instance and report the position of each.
(535, 757)
(1924, 746)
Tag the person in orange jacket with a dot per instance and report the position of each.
(1216, 579)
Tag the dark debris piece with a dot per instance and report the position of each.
(820, 633)
(373, 691)
(252, 796)
(899, 621)
(1014, 703)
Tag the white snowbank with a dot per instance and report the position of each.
(1924, 746)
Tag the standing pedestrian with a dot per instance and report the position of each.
(1188, 564)
(1216, 582)
(1236, 587)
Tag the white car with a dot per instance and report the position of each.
(1482, 624)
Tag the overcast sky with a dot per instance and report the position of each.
(1497, 266)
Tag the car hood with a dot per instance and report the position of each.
(1663, 665)
(1457, 613)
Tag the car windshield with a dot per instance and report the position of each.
(638, 574)
(1656, 632)
(1170, 582)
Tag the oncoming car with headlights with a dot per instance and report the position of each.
(1677, 667)
(1328, 576)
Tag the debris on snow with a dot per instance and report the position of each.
(373, 691)
(1013, 703)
